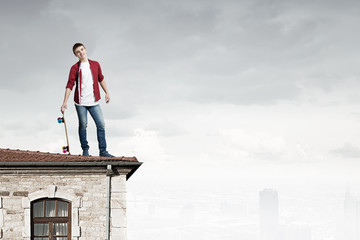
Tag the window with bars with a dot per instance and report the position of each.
(50, 219)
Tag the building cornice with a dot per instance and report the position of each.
(68, 168)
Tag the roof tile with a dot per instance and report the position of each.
(10, 155)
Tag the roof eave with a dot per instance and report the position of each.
(133, 165)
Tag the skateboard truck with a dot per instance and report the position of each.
(65, 149)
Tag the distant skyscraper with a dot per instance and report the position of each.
(269, 214)
(351, 218)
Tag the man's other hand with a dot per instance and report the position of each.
(63, 108)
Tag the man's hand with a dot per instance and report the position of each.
(107, 95)
(107, 98)
(66, 97)
(63, 108)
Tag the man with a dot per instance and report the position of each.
(87, 76)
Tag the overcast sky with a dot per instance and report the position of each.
(236, 85)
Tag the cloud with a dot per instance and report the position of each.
(200, 54)
(238, 145)
(166, 128)
(145, 145)
(189, 51)
(347, 151)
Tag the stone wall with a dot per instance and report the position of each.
(86, 192)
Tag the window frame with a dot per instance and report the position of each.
(51, 220)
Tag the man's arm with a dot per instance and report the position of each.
(103, 86)
(66, 97)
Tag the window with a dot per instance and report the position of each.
(50, 219)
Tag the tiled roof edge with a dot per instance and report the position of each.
(12, 155)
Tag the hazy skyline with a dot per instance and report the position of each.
(238, 91)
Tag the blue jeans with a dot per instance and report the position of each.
(96, 114)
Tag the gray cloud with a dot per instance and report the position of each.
(347, 151)
(193, 51)
(204, 52)
(166, 128)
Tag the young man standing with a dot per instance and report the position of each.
(87, 76)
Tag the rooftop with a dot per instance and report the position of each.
(11, 159)
(10, 155)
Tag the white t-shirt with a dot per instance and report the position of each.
(87, 97)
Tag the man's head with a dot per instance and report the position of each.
(76, 45)
(79, 50)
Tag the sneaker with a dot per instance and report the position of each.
(105, 154)
(85, 153)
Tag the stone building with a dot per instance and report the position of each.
(63, 197)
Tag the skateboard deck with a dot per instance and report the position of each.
(65, 149)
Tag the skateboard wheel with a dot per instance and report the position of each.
(60, 120)
(65, 149)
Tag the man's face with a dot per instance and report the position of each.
(80, 52)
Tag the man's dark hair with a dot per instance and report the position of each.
(76, 45)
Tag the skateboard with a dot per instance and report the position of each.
(65, 149)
